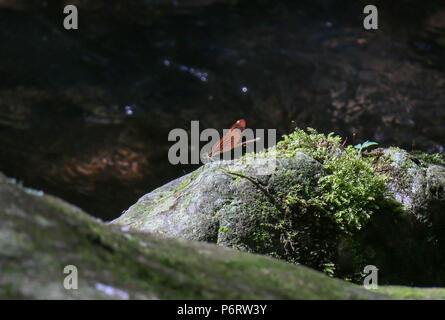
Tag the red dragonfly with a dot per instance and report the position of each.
(231, 139)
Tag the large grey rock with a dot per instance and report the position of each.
(237, 205)
(205, 204)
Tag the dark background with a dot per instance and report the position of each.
(85, 114)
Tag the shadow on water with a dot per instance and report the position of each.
(85, 114)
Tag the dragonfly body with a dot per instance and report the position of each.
(231, 139)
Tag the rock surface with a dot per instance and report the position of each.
(195, 205)
(235, 204)
(40, 235)
(203, 204)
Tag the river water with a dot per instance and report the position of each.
(85, 114)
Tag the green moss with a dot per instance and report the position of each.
(433, 158)
(223, 230)
(184, 184)
(320, 212)
(351, 188)
(402, 292)
(318, 146)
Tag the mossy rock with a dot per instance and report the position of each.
(323, 206)
(198, 206)
(416, 182)
(412, 293)
(40, 235)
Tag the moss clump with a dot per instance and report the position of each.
(433, 158)
(350, 190)
(325, 214)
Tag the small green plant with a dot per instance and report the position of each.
(329, 269)
(365, 145)
(223, 230)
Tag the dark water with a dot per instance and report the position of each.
(85, 114)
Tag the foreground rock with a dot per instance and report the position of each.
(40, 235)
(333, 210)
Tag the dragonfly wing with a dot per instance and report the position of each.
(230, 139)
